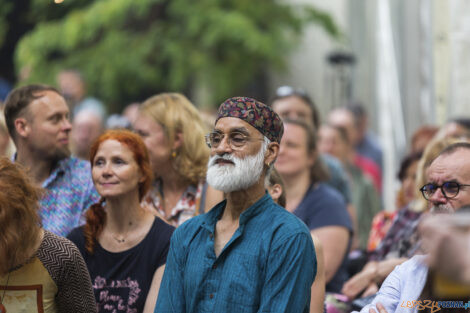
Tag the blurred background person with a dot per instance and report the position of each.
(405, 196)
(275, 186)
(318, 205)
(124, 245)
(39, 271)
(173, 132)
(334, 140)
(366, 144)
(291, 103)
(422, 136)
(342, 117)
(87, 126)
(401, 241)
(37, 119)
(6, 145)
(131, 111)
(73, 86)
(456, 127)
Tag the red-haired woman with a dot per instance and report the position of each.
(124, 245)
(39, 271)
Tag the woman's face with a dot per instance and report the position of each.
(330, 142)
(293, 156)
(153, 135)
(408, 182)
(114, 170)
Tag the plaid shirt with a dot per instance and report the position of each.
(69, 192)
(402, 238)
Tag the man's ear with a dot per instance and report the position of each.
(22, 127)
(271, 153)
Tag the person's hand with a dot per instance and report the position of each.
(446, 240)
(380, 308)
(358, 282)
(372, 289)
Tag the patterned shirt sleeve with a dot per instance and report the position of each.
(67, 268)
(290, 272)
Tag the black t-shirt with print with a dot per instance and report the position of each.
(121, 281)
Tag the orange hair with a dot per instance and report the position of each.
(96, 215)
(20, 223)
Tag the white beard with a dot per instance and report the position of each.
(241, 175)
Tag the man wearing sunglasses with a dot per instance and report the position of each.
(247, 254)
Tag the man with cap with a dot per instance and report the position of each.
(247, 254)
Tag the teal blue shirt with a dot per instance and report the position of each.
(268, 265)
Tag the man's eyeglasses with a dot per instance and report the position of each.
(236, 140)
(450, 189)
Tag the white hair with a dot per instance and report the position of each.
(243, 174)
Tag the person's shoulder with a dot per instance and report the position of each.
(331, 162)
(326, 194)
(77, 168)
(57, 248)
(416, 263)
(186, 231)
(283, 222)
(162, 229)
(76, 163)
(76, 236)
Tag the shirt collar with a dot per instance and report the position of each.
(59, 168)
(211, 218)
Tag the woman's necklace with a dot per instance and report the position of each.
(2, 307)
(121, 239)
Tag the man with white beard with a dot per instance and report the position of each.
(247, 254)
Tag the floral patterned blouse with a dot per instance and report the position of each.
(189, 205)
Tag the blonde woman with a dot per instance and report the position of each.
(173, 131)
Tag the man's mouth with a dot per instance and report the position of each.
(221, 161)
(64, 141)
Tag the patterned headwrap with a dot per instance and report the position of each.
(255, 113)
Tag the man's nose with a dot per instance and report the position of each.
(66, 125)
(438, 197)
(223, 147)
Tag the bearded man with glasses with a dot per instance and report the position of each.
(247, 254)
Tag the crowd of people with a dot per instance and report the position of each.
(258, 208)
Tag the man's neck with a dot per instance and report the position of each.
(239, 201)
(38, 168)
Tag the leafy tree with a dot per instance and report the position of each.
(129, 49)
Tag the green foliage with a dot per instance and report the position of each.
(127, 48)
(5, 8)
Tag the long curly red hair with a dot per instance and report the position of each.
(96, 214)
